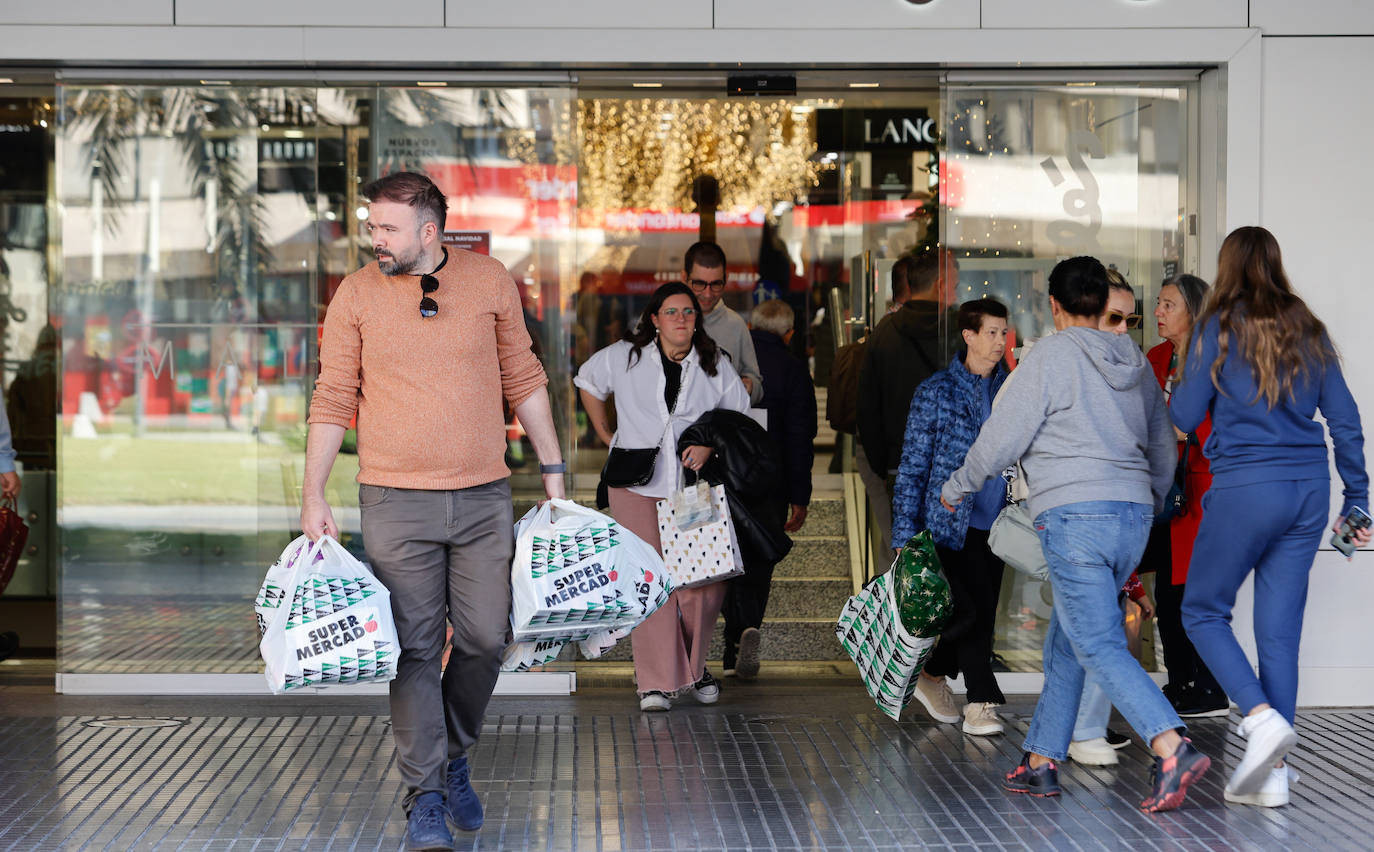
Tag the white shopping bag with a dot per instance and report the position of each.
(700, 555)
(599, 643)
(889, 658)
(325, 619)
(577, 572)
(523, 656)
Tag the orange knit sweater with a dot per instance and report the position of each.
(427, 391)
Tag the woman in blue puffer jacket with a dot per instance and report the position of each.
(947, 411)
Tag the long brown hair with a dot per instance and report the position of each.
(1275, 332)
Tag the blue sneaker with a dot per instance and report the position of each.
(426, 828)
(463, 804)
(1040, 782)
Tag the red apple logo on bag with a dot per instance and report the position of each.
(612, 575)
(648, 576)
(371, 625)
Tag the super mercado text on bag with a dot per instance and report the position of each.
(325, 619)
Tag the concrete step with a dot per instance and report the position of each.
(825, 516)
(808, 597)
(816, 556)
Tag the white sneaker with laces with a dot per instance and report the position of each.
(1268, 737)
(1272, 794)
(937, 698)
(980, 720)
(1094, 752)
(654, 701)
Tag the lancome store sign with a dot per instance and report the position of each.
(875, 129)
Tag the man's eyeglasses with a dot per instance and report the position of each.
(714, 286)
(674, 313)
(1116, 318)
(428, 284)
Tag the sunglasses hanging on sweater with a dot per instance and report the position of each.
(428, 284)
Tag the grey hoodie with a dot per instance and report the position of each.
(1086, 418)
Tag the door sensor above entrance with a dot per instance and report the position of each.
(761, 84)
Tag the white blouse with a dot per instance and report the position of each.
(642, 417)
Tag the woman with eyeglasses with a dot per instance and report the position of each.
(1262, 365)
(665, 374)
(1192, 689)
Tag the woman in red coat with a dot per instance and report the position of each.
(1191, 688)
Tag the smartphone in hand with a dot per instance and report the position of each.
(1343, 539)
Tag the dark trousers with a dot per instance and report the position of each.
(745, 600)
(965, 646)
(1185, 667)
(445, 556)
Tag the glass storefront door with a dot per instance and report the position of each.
(205, 229)
(1033, 174)
(29, 353)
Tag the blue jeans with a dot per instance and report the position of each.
(1091, 549)
(1274, 530)
(1094, 709)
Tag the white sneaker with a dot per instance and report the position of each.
(654, 701)
(706, 690)
(1093, 752)
(980, 720)
(1272, 794)
(1268, 737)
(937, 698)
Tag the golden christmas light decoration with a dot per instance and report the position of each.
(646, 153)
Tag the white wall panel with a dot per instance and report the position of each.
(1313, 17)
(617, 14)
(856, 14)
(1314, 192)
(316, 13)
(555, 47)
(130, 12)
(1025, 14)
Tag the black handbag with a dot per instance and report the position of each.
(626, 468)
(1176, 501)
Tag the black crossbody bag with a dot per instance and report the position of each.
(626, 468)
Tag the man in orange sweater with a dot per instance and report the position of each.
(422, 346)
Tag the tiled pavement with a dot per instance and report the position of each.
(789, 763)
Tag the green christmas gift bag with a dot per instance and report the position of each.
(891, 625)
(920, 588)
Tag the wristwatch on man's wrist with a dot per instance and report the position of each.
(545, 469)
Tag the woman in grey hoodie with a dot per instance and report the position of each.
(1087, 420)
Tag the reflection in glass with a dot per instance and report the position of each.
(189, 252)
(205, 231)
(1034, 175)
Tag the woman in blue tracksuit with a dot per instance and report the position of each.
(1262, 364)
(947, 411)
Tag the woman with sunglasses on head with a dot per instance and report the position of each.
(1192, 689)
(1262, 365)
(665, 374)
